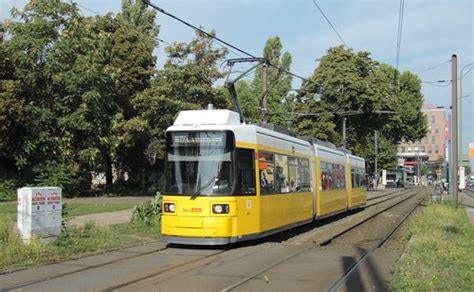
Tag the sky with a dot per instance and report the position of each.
(432, 32)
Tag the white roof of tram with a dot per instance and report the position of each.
(222, 119)
(207, 117)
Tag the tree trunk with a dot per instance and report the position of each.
(108, 171)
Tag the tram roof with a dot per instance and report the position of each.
(227, 119)
(207, 117)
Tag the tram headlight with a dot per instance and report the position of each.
(170, 207)
(220, 208)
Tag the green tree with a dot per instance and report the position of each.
(33, 42)
(77, 79)
(279, 82)
(386, 153)
(316, 120)
(190, 72)
(186, 82)
(12, 110)
(249, 101)
(131, 48)
(353, 82)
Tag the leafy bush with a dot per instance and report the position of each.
(56, 174)
(149, 212)
(7, 189)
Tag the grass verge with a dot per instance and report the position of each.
(439, 254)
(73, 242)
(74, 209)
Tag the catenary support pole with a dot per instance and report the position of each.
(344, 132)
(265, 93)
(376, 175)
(454, 128)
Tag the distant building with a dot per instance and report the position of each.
(433, 145)
(412, 156)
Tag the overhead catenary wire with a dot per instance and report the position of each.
(219, 41)
(163, 41)
(84, 8)
(159, 9)
(437, 85)
(399, 33)
(434, 67)
(98, 13)
(435, 82)
(328, 21)
(158, 39)
(198, 29)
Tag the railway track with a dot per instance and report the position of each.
(192, 258)
(58, 275)
(385, 197)
(327, 240)
(386, 194)
(343, 279)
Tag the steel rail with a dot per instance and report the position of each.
(387, 199)
(323, 242)
(128, 283)
(362, 259)
(385, 195)
(59, 275)
(408, 196)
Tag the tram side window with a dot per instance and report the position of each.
(245, 158)
(332, 176)
(358, 177)
(305, 183)
(267, 172)
(294, 175)
(282, 174)
(281, 179)
(355, 178)
(341, 177)
(326, 178)
(363, 178)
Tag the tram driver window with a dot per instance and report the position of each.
(245, 158)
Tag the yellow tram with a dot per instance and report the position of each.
(227, 181)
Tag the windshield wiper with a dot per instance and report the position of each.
(208, 183)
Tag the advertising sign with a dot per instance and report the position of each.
(462, 178)
(471, 150)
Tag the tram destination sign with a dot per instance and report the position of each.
(203, 139)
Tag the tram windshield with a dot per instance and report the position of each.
(199, 163)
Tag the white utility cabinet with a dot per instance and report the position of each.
(39, 212)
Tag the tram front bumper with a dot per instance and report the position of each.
(197, 227)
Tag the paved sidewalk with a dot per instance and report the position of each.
(102, 219)
(467, 198)
(105, 218)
